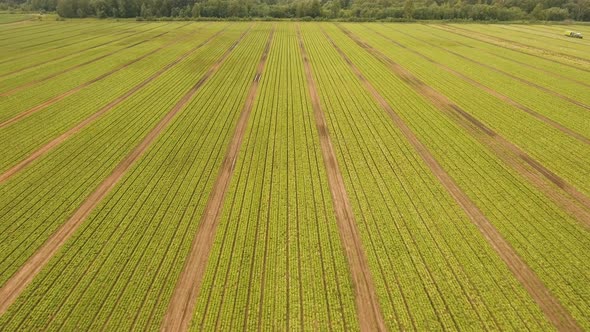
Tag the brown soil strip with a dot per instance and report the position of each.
(19, 281)
(367, 303)
(67, 55)
(554, 187)
(82, 86)
(550, 306)
(86, 122)
(512, 47)
(490, 91)
(28, 84)
(183, 301)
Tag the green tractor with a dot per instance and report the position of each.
(574, 34)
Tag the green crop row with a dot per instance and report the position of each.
(277, 263)
(425, 279)
(552, 244)
(119, 270)
(38, 200)
(562, 28)
(28, 134)
(42, 31)
(29, 69)
(554, 38)
(459, 43)
(24, 29)
(563, 44)
(561, 153)
(10, 18)
(21, 62)
(37, 33)
(507, 67)
(561, 58)
(26, 99)
(54, 36)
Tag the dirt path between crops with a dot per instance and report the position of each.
(33, 82)
(84, 85)
(19, 281)
(514, 47)
(86, 122)
(550, 306)
(367, 303)
(490, 91)
(182, 304)
(566, 196)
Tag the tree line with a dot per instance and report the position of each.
(396, 10)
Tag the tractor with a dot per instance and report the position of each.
(574, 34)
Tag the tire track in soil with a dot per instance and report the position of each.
(88, 121)
(181, 307)
(56, 99)
(67, 55)
(551, 307)
(563, 194)
(19, 281)
(519, 50)
(367, 303)
(33, 82)
(523, 81)
(490, 91)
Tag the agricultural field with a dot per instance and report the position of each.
(228, 176)
(10, 18)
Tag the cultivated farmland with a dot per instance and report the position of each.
(293, 176)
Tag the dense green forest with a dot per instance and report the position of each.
(480, 10)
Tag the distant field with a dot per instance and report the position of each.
(293, 176)
(13, 18)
